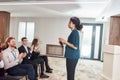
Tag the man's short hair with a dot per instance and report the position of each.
(23, 38)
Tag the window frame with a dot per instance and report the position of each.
(26, 23)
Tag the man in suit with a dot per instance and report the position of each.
(27, 60)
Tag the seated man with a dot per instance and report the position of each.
(2, 77)
(12, 61)
(27, 60)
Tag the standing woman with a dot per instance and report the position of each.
(72, 51)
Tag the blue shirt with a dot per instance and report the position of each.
(73, 39)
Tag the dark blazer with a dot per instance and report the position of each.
(74, 39)
(21, 49)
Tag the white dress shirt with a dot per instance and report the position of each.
(26, 48)
(10, 58)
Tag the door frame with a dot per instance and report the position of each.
(93, 40)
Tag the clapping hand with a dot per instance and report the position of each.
(24, 55)
(21, 55)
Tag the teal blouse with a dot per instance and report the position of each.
(73, 39)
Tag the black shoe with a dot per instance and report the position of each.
(48, 71)
(44, 76)
(36, 75)
(49, 68)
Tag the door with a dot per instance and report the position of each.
(91, 41)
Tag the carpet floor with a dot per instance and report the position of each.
(85, 70)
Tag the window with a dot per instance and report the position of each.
(26, 29)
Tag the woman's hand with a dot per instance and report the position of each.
(62, 40)
(67, 43)
(36, 48)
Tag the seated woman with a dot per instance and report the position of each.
(36, 53)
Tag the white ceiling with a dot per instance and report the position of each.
(61, 8)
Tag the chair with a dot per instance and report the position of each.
(15, 77)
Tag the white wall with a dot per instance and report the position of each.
(48, 30)
(106, 29)
(105, 39)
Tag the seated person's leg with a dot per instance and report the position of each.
(41, 62)
(16, 71)
(22, 70)
(30, 71)
(35, 66)
(2, 77)
(45, 58)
